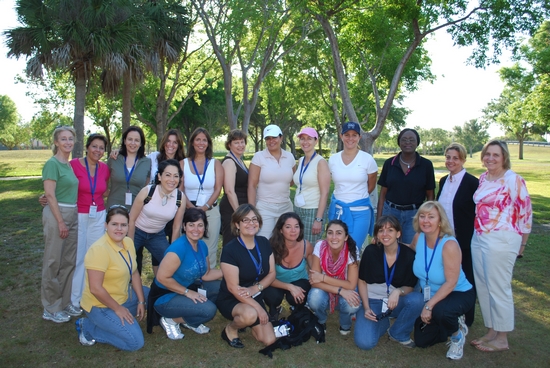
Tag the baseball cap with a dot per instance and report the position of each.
(309, 132)
(272, 131)
(350, 125)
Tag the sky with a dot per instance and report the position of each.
(459, 93)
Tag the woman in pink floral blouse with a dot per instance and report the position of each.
(502, 226)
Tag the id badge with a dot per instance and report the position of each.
(128, 199)
(202, 292)
(299, 200)
(255, 295)
(384, 305)
(201, 199)
(427, 293)
(93, 212)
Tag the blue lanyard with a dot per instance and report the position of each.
(388, 281)
(92, 186)
(201, 180)
(239, 162)
(257, 264)
(303, 169)
(199, 251)
(427, 265)
(129, 174)
(129, 265)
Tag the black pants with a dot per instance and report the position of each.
(273, 297)
(444, 321)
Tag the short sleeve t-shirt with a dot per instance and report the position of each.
(85, 186)
(107, 257)
(66, 188)
(351, 182)
(275, 176)
(371, 270)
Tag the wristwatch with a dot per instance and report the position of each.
(427, 307)
(319, 219)
(260, 286)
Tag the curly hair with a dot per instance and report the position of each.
(195, 214)
(240, 213)
(277, 240)
(163, 165)
(180, 155)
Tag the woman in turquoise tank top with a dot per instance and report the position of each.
(447, 292)
(292, 259)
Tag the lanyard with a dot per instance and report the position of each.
(129, 265)
(388, 281)
(199, 251)
(129, 174)
(92, 186)
(303, 169)
(257, 264)
(239, 162)
(427, 265)
(201, 180)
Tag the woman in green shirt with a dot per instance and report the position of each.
(60, 220)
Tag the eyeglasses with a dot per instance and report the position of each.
(384, 315)
(115, 206)
(247, 220)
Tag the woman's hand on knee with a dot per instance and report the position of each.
(370, 315)
(351, 296)
(262, 315)
(297, 293)
(124, 315)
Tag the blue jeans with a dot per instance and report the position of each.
(361, 221)
(405, 219)
(105, 326)
(156, 244)
(367, 333)
(192, 313)
(318, 301)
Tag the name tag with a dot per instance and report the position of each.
(201, 199)
(427, 293)
(299, 200)
(93, 212)
(202, 292)
(384, 305)
(128, 199)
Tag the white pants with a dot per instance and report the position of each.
(493, 257)
(270, 213)
(89, 231)
(214, 225)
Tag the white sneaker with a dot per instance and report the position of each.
(456, 348)
(201, 329)
(57, 317)
(72, 311)
(462, 325)
(172, 328)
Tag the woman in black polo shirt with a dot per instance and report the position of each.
(406, 181)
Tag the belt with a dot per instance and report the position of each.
(405, 207)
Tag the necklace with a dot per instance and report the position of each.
(164, 197)
(404, 163)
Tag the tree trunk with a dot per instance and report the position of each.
(521, 148)
(78, 120)
(126, 99)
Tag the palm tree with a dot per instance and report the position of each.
(77, 36)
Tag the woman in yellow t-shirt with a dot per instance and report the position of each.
(108, 301)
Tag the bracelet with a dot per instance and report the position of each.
(186, 291)
(208, 206)
(524, 245)
(339, 289)
(141, 302)
(402, 291)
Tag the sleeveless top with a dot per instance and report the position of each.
(436, 274)
(154, 216)
(288, 275)
(241, 183)
(191, 182)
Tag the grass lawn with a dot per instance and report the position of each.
(27, 340)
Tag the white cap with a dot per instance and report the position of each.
(272, 131)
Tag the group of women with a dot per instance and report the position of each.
(416, 271)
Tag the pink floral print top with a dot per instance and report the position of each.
(503, 205)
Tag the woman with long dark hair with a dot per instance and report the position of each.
(293, 256)
(333, 276)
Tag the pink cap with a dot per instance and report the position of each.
(310, 132)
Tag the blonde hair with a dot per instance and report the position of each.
(444, 224)
(58, 131)
(458, 148)
(506, 163)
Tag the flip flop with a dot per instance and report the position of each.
(479, 341)
(489, 348)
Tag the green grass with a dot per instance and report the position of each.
(27, 340)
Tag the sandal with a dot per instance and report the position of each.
(489, 348)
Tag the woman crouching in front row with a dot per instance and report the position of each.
(111, 270)
(248, 267)
(386, 282)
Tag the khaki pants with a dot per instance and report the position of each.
(59, 259)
